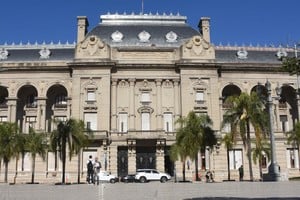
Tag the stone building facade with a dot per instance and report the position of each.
(129, 79)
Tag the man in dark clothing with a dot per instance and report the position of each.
(90, 169)
(241, 172)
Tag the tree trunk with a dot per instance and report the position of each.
(63, 157)
(78, 165)
(183, 170)
(260, 169)
(32, 169)
(249, 151)
(228, 165)
(6, 170)
(196, 168)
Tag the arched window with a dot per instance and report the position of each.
(31, 101)
(60, 100)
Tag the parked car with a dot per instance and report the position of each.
(145, 175)
(130, 178)
(107, 177)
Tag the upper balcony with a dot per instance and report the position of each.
(139, 134)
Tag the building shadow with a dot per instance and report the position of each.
(241, 198)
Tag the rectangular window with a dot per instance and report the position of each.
(284, 123)
(199, 96)
(145, 121)
(30, 123)
(3, 119)
(123, 122)
(60, 118)
(168, 122)
(145, 97)
(235, 158)
(90, 120)
(91, 96)
(292, 155)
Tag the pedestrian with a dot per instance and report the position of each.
(241, 173)
(97, 167)
(90, 170)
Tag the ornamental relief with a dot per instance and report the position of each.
(198, 48)
(92, 47)
(123, 84)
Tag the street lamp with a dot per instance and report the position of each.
(273, 174)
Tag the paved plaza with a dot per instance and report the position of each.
(153, 191)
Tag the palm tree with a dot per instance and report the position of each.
(36, 144)
(262, 148)
(291, 65)
(294, 137)
(195, 134)
(68, 134)
(246, 110)
(228, 141)
(11, 144)
(177, 150)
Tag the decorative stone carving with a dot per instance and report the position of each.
(3, 54)
(45, 53)
(242, 54)
(281, 53)
(117, 36)
(198, 48)
(144, 36)
(92, 47)
(171, 37)
(146, 109)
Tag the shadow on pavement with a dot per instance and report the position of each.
(241, 198)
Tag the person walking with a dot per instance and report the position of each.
(97, 167)
(241, 173)
(90, 170)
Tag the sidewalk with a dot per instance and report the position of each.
(153, 191)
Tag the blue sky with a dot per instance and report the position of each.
(240, 22)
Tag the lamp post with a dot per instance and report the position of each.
(273, 174)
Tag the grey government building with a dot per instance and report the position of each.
(129, 79)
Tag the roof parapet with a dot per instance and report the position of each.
(142, 19)
(36, 45)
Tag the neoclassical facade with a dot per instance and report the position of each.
(129, 79)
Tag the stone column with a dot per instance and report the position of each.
(160, 155)
(277, 116)
(112, 158)
(69, 107)
(131, 104)
(298, 106)
(158, 105)
(12, 109)
(114, 105)
(41, 113)
(131, 156)
(176, 100)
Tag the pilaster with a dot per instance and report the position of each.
(131, 156)
(114, 105)
(160, 155)
(12, 109)
(158, 105)
(131, 104)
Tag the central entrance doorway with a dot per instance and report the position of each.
(146, 154)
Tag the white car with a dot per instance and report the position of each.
(144, 175)
(106, 177)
